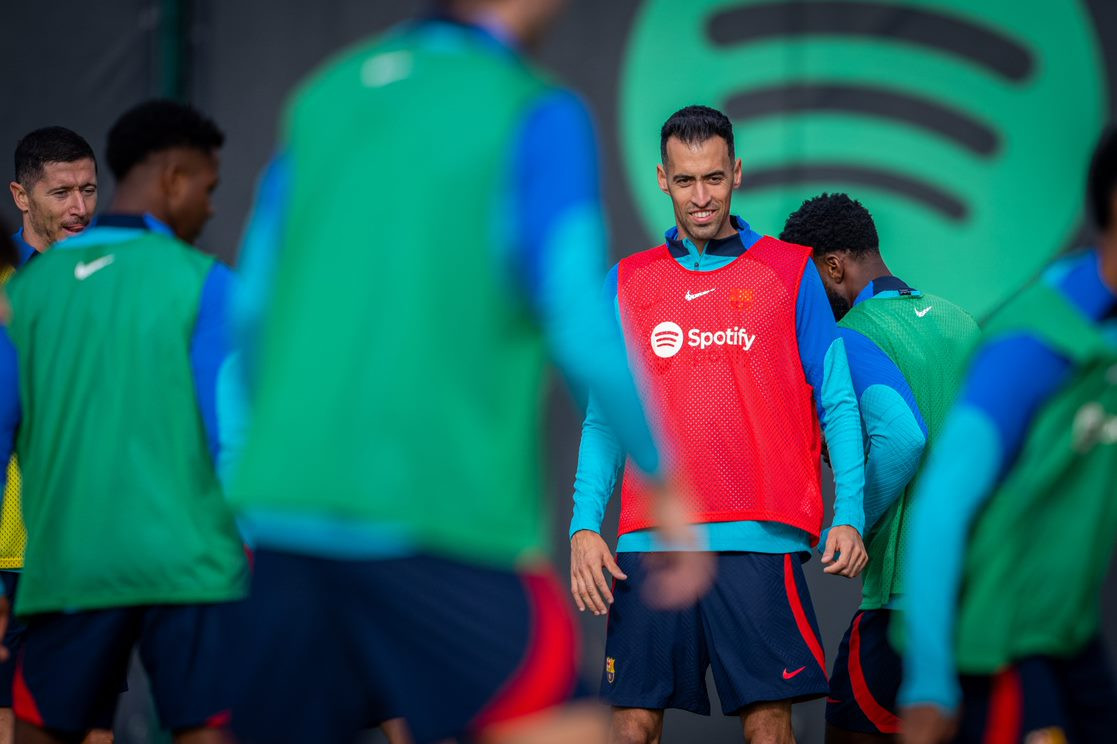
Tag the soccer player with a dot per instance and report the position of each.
(740, 359)
(391, 479)
(55, 189)
(907, 352)
(112, 370)
(1015, 520)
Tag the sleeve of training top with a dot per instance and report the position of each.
(257, 261)
(822, 353)
(894, 427)
(9, 408)
(216, 380)
(981, 438)
(600, 456)
(559, 256)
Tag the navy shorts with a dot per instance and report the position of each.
(866, 678)
(73, 665)
(755, 627)
(452, 647)
(13, 638)
(1071, 700)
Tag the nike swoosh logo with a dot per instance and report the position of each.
(789, 675)
(85, 270)
(690, 296)
(924, 311)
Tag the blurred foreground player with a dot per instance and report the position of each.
(1015, 519)
(391, 479)
(116, 346)
(55, 189)
(907, 352)
(739, 358)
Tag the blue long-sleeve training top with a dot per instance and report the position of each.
(823, 356)
(980, 442)
(555, 255)
(894, 429)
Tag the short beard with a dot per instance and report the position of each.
(840, 305)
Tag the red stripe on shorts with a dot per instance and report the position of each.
(800, 614)
(547, 674)
(23, 703)
(1006, 709)
(885, 720)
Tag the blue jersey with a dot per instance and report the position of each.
(823, 356)
(980, 443)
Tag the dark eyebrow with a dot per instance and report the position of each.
(718, 172)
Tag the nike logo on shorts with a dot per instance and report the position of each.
(790, 675)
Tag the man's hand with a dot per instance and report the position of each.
(851, 560)
(588, 556)
(676, 578)
(5, 613)
(927, 724)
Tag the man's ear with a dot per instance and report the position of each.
(835, 267)
(20, 196)
(661, 174)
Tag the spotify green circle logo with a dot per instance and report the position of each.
(965, 127)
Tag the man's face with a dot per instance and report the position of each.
(60, 203)
(700, 180)
(193, 178)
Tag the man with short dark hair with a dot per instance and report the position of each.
(55, 187)
(907, 352)
(1015, 519)
(740, 362)
(114, 366)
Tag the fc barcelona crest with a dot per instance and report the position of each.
(741, 298)
(610, 669)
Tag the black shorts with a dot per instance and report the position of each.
(755, 627)
(866, 678)
(451, 647)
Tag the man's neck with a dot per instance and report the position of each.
(700, 245)
(1107, 258)
(33, 239)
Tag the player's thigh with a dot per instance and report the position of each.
(654, 658)
(294, 671)
(72, 668)
(466, 647)
(762, 633)
(865, 681)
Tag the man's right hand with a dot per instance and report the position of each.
(588, 556)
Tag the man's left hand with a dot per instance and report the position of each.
(845, 552)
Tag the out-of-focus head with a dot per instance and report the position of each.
(844, 239)
(699, 171)
(527, 20)
(55, 185)
(164, 156)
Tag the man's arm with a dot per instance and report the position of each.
(894, 426)
(980, 440)
(822, 353)
(217, 381)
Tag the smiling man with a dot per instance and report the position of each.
(740, 362)
(55, 188)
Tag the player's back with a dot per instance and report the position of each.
(400, 368)
(929, 339)
(120, 493)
